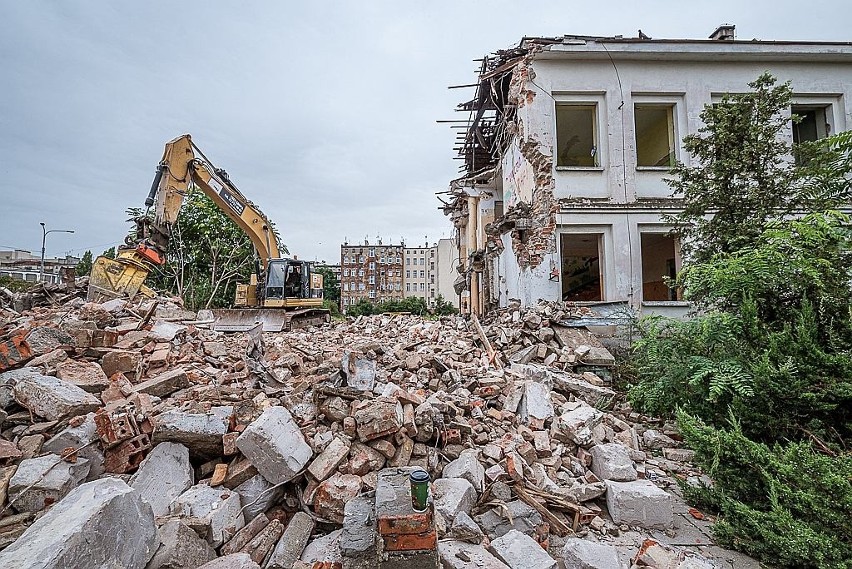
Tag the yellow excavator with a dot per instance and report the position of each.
(282, 293)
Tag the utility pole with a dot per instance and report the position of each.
(44, 232)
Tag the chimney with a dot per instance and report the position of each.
(725, 32)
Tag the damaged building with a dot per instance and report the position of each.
(567, 144)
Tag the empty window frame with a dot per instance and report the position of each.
(581, 268)
(659, 263)
(655, 135)
(813, 123)
(576, 135)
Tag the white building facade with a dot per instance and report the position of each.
(569, 144)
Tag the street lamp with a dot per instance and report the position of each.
(44, 233)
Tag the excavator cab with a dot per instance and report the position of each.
(287, 279)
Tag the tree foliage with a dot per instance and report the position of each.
(84, 267)
(330, 284)
(761, 377)
(208, 255)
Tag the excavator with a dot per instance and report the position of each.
(282, 293)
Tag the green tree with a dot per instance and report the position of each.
(740, 176)
(330, 284)
(444, 307)
(761, 378)
(84, 267)
(109, 253)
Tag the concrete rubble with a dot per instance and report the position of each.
(297, 450)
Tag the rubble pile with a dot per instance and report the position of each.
(133, 430)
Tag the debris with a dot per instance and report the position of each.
(611, 461)
(639, 503)
(43, 481)
(164, 475)
(180, 547)
(584, 554)
(292, 542)
(218, 509)
(104, 522)
(462, 555)
(275, 445)
(520, 551)
(53, 398)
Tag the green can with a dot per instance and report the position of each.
(419, 490)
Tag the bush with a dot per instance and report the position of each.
(782, 503)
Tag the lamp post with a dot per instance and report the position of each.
(44, 232)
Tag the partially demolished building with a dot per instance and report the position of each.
(567, 145)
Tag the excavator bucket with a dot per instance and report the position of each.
(273, 319)
(115, 278)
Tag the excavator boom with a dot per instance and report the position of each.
(183, 167)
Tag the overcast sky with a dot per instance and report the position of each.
(323, 113)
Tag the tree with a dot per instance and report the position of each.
(444, 307)
(740, 175)
(761, 379)
(109, 253)
(330, 284)
(84, 267)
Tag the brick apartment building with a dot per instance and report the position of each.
(371, 271)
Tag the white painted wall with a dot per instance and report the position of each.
(672, 76)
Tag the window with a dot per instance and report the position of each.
(372, 253)
(372, 266)
(408, 260)
(345, 272)
(407, 287)
(576, 135)
(422, 287)
(361, 286)
(581, 269)
(812, 124)
(659, 260)
(408, 274)
(422, 274)
(372, 280)
(655, 139)
(361, 259)
(372, 294)
(360, 272)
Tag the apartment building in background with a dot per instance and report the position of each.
(568, 145)
(23, 265)
(371, 271)
(420, 272)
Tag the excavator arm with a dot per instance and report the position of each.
(183, 166)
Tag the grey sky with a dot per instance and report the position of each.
(323, 113)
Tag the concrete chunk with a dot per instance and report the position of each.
(453, 495)
(233, 561)
(79, 436)
(257, 495)
(53, 398)
(332, 495)
(360, 372)
(520, 551)
(535, 407)
(359, 542)
(164, 384)
(8, 380)
(495, 522)
(180, 548)
(275, 445)
(612, 461)
(200, 432)
(325, 549)
(165, 331)
(217, 507)
(462, 555)
(577, 423)
(101, 524)
(289, 548)
(43, 481)
(467, 466)
(465, 529)
(584, 554)
(639, 503)
(164, 475)
(43, 339)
